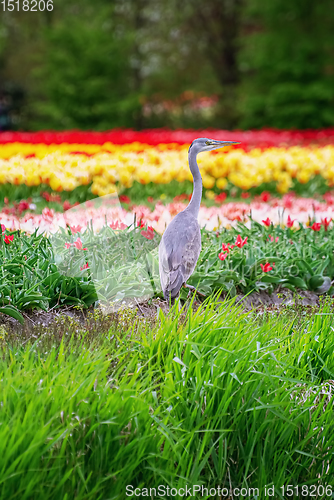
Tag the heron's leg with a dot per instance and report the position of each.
(192, 289)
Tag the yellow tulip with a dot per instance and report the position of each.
(55, 183)
(109, 164)
(208, 181)
(210, 195)
(221, 183)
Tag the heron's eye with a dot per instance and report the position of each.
(207, 143)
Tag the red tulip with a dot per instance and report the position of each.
(220, 198)
(263, 138)
(3, 228)
(149, 234)
(226, 247)
(51, 197)
(124, 199)
(181, 197)
(118, 225)
(267, 222)
(222, 256)
(9, 239)
(288, 200)
(66, 205)
(290, 221)
(78, 244)
(67, 245)
(76, 229)
(85, 266)
(316, 226)
(46, 195)
(248, 138)
(240, 242)
(266, 267)
(326, 222)
(265, 196)
(23, 205)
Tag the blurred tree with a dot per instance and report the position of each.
(287, 64)
(20, 40)
(86, 73)
(142, 63)
(216, 24)
(189, 48)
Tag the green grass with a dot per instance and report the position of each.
(216, 398)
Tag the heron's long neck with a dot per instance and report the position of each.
(196, 198)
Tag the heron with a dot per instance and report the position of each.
(180, 245)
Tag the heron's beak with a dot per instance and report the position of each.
(222, 144)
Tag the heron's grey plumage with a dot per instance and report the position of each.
(178, 253)
(180, 245)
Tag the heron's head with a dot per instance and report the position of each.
(204, 144)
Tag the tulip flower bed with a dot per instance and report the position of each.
(148, 162)
(49, 173)
(47, 212)
(120, 263)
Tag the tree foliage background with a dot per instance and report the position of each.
(143, 63)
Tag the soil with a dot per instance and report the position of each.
(38, 320)
(280, 297)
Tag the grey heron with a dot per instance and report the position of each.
(180, 245)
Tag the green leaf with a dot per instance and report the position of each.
(13, 312)
(298, 282)
(316, 281)
(289, 287)
(273, 279)
(51, 278)
(307, 266)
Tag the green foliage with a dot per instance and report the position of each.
(307, 263)
(95, 65)
(287, 64)
(12, 312)
(30, 279)
(40, 272)
(86, 75)
(216, 399)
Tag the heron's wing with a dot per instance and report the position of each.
(178, 253)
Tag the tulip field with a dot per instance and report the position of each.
(149, 172)
(113, 162)
(108, 399)
(259, 232)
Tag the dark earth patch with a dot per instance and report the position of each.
(59, 322)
